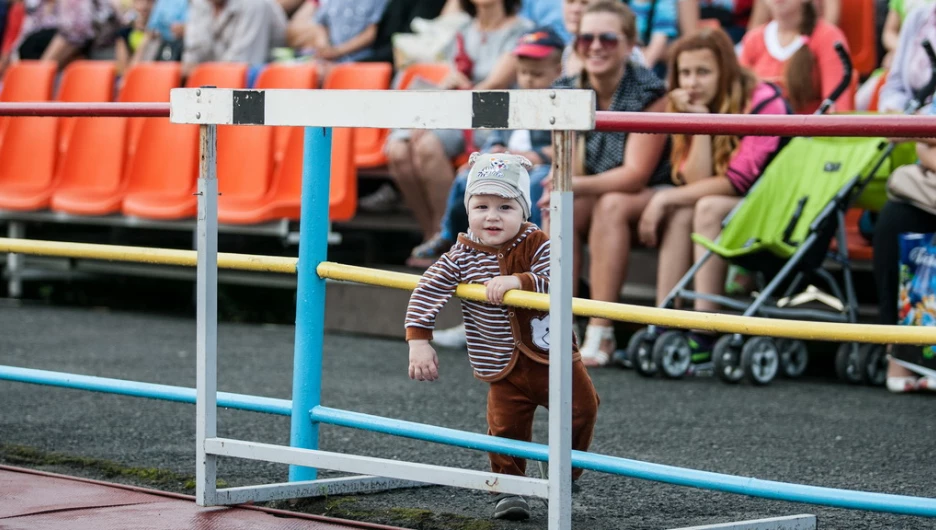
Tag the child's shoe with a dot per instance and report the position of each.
(511, 507)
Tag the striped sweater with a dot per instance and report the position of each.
(495, 334)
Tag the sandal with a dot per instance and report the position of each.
(901, 385)
(592, 354)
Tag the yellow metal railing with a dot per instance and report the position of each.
(794, 329)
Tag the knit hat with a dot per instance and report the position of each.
(501, 174)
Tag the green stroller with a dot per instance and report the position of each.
(782, 230)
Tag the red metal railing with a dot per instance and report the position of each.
(102, 110)
(887, 125)
(868, 125)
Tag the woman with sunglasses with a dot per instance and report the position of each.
(615, 173)
(711, 173)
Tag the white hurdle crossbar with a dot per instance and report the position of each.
(561, 111)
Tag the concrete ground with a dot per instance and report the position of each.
(812, 431)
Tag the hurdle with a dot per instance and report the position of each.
(560, 111)
(493, 110)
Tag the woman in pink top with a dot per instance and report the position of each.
(796, 50)
(711, 173)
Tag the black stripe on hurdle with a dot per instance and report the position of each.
(490, 110)
(249, 107)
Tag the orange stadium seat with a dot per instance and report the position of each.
(164, 169)
(32, 146)
(94, 169)
(856, 19)
(244, 183)
(283, 199)
(368, 143)
(285, 76)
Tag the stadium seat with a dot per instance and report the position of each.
(857, 23)
(368, 143)
(859, 249)
(282, 201)
(33, 146)
(246, 180)
(164, 169)
(27, 81)
(94, 169)
(83, 81)
(285, 76)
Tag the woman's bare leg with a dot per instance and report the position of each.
(675, 254)
(709, 214)
(403, 171)
(610, 239)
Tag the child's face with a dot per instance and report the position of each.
(495, 220)
(538, 74)
(698, 74)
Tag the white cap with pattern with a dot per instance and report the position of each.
(501, 174)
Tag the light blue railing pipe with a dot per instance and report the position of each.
(767, 489)
(123, 387)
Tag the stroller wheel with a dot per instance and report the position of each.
(793, 357)
(848, 366)
(672, 354)
(760, 359)
(727, 358)
(640, 349)
(873, 358)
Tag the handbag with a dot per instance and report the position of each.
(913, 184)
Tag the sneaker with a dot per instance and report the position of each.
(701, 345)
(385, 199)
(511, 508)
(451, 338)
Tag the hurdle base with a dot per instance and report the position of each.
(790, 522)
(357, 484)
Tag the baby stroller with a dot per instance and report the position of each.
(782, 231)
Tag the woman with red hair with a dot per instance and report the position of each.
(710, 172)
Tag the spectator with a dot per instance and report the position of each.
(897, 218)
(539, 64)
(571, 15)
(243, 31)
(910, 70)
(421, 161)
(63, 30)
(397, 18)
(340, 31)
(796, 50)
(732, 15)
(711, 173)
(546, 13)
(829, 10)
(616, 174)
(133, 35)
(165, 32)
(890, 35)
(661, 21)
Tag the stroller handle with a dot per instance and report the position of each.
(926, 91)
(847, 73)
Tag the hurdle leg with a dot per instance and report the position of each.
(206, 400)
(310, 295)
(15, 230)
(560, 343)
